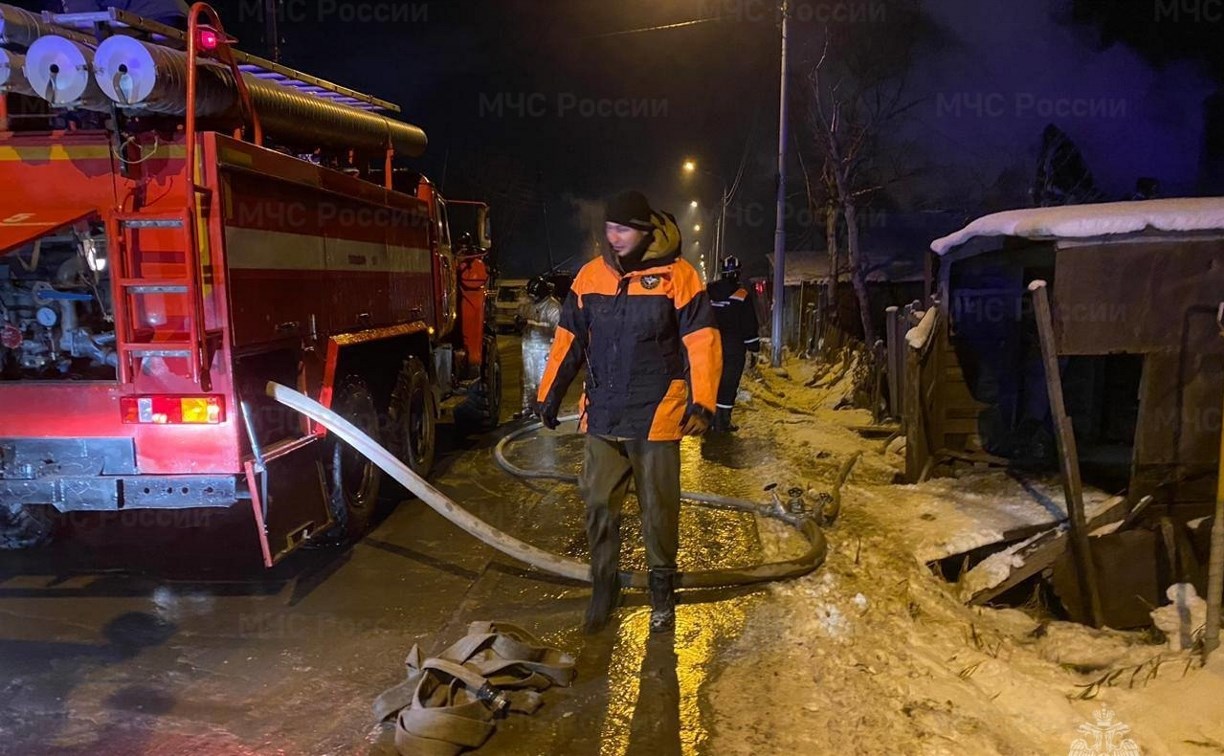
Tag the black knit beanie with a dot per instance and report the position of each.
(630, 209)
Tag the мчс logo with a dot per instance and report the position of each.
(1107, 737)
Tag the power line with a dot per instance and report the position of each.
(654, 28)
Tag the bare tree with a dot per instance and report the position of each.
(848, 110)
(822, 202)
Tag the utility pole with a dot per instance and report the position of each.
(721, 253)
(779, 279)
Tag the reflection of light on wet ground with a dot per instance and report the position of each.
(545, 450)
(708, 539)
(701, 629)
(623, 680)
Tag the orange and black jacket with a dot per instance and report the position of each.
(648, 340)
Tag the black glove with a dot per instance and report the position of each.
(547, 415)
(696, 420)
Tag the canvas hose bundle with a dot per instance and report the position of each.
(450, 702)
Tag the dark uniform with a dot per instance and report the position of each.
(740, 333)
(642, 325)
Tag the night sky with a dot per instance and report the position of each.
(542, 109)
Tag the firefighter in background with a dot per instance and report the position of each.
(540, 315)
(740, 333)
(640, 320)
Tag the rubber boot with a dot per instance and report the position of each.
(731, 427)
(605, 597)
(662, 599)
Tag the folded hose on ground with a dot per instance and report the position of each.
(536, 557)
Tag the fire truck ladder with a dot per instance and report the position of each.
(192, 341)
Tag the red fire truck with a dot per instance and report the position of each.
(182, 222)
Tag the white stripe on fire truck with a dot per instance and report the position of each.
(256, 249)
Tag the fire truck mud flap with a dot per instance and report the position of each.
(288, 496)
(543, 560)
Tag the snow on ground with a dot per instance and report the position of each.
(874, 654)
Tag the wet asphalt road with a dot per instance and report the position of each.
(161, 633)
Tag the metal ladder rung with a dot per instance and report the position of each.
(158, 349)
(154, 285)
(142, 222)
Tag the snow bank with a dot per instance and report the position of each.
(873, 654)
(1086, 221)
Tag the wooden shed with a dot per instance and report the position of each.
(1135, 287)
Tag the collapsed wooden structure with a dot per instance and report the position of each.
(1133, 358)
(1134, 287)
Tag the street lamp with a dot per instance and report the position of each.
(720, 229)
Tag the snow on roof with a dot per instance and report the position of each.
(1086, 221)
(803, 266)
(813, 266)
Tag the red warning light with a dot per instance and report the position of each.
(209, 40)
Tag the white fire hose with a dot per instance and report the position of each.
(537, 557)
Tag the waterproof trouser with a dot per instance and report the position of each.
(654, 468)
(535, 358)
(732, 371)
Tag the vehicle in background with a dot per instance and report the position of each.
(511, 294)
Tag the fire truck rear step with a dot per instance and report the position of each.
(104, 493)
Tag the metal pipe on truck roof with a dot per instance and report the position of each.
(21, 27)
(12, 77)
(141, 76)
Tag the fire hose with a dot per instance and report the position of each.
(546, 561)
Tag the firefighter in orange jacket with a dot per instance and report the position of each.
(640, 320)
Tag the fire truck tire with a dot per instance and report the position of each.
(355, 481)
(414, 417)
(25, 527)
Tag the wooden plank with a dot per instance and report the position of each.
(1068, 454)
(916, 451)
(1215, 558)
(895, 340)
(1044, 550)
(932, 370)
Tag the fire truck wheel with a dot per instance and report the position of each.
(355, 480)
(413, 415)
(482, 410)
(24, 527)
(492, 382)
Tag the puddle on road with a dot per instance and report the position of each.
(649, 704)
